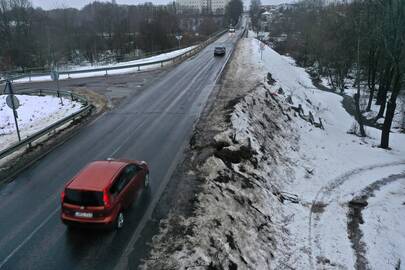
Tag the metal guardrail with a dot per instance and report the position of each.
(86, 109)
(138, 66)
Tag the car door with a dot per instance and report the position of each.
(131, 171)
(139, 178)
(119, 190)
(129, 190)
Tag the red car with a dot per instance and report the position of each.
(101, 191)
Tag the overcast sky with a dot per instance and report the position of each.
(50, 4)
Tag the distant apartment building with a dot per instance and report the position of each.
(202, 6)
(189, 6)
(218, 6)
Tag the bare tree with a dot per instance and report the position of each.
(324, 37)
(233, 11)
(393, 32)
(255, 11)
(100, 31)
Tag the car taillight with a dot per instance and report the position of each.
(106, 199)
(62, 196)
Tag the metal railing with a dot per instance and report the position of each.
(85, 110)
(138, 66)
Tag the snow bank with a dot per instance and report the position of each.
(34, 114)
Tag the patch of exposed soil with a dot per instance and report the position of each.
(355, 234)
(318, 207)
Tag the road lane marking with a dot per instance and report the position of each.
(129, 137)
(28, 238)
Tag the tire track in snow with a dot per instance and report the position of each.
(355, 217)
(326, 191)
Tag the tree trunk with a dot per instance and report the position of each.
(385, 134)
(389, 115)
(385, 80)
(380, 87)
(332, 83)
(383, 91)
(359, 116)
(370, 98)
(382, 106)
(372, 74)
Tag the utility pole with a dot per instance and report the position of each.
(13, 103)
(179, 37)
(55, 77)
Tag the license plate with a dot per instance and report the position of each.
(85, 215)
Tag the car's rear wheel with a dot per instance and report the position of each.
(119, 222)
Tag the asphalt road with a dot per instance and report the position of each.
(153, 125)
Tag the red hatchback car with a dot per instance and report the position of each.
(101, 191)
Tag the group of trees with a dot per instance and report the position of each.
(233, 11)
(341, 38)
(255, 11)
(32, 37)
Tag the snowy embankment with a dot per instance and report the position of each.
(282, 192)
(333, 169)
(123, 70)
(34, 114)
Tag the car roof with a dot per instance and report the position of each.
(97, 175)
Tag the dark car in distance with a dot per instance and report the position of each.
(101, 192)
(219, 51)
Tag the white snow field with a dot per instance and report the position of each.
(152, 59)
(34, 114)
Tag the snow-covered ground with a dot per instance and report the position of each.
(281, 193)
(341, 166)
(34, 114)
(123, 70)
(385, 213)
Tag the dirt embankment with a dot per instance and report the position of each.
(228, 221)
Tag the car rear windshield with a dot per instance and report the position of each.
(84, 198)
